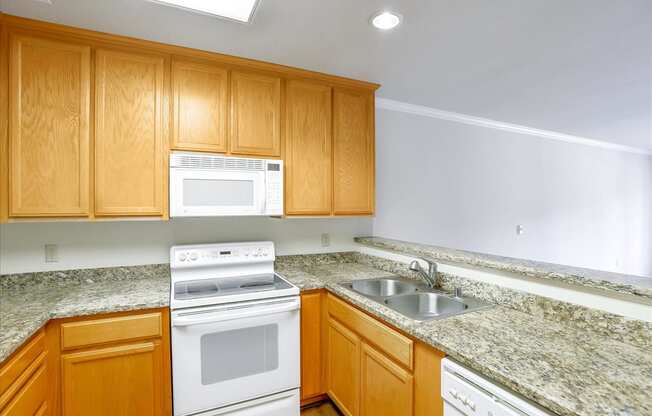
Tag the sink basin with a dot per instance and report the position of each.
(424, 306)
(414, 299)
(383, 287)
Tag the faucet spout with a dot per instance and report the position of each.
(430, 276)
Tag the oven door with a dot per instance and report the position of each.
(201, 193)
(231, 353)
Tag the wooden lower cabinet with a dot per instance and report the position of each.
(114, 364)
(343, 367)
(24, 381)
(312, 385)
(427, 381)
(374, 370)
(385, 387)
(121, 380)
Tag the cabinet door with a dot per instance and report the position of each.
(255, 127)
(49, 106)
(353, 152)
(308, 153)
(129, 147)
(124, 380)
(200, 107)
(427, 381)
(385, 387)
(311, 349)
(343, 368)
(32, 398)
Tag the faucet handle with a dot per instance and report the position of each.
(458, 292)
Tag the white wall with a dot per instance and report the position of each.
(102, 244)
(467, 187)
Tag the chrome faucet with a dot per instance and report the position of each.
(430, 276)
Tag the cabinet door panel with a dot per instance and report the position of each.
(343, 368)
(31, 399)
(353, 153)
(200, 106)
(125, 380)
(385, 388)
(427, 379)
(308, 152)
(49, 132)
(311, 346)
(129, 149)
(255, 127)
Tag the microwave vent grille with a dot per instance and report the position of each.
(216, 163)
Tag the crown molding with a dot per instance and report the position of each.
(392, 105)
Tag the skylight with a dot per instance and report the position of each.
(240, 10)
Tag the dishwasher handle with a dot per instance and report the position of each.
(231, 312)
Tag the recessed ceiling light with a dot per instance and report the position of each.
(239, 10)
(385, 20)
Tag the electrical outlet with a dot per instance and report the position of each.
(520, 229)
(51, 253)
(325, 240)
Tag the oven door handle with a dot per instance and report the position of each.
(236, 312)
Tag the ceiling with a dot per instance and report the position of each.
(580, 67)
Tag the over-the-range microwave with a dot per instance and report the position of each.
(207, 185)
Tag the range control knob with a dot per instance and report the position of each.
(193, 256)
(182, 257)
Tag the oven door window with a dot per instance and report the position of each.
(239, 353)
(218, 192)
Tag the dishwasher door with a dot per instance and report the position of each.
(462, 398)
(467, 393)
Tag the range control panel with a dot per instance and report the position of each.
(219, 254)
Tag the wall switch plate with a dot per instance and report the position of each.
(51, 253)
(325, 240)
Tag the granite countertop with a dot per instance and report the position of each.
(569, 371)
(27, 305)
(640, 286)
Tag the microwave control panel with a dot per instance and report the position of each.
(274, 185)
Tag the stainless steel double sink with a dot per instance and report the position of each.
(414, 299)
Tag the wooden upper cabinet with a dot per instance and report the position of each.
(129, 140)
(255, 125)
(353, 152)
(199, 94)
(49, 107)
(308, 153)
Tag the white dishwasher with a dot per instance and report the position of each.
(467, 393)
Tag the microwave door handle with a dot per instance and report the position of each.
(228, 314)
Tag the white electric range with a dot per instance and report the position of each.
(235, 332)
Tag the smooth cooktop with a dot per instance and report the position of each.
(225, 286)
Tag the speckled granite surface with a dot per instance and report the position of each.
(617, 327)
(627, 284)
(570, 371)
(28, 301)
